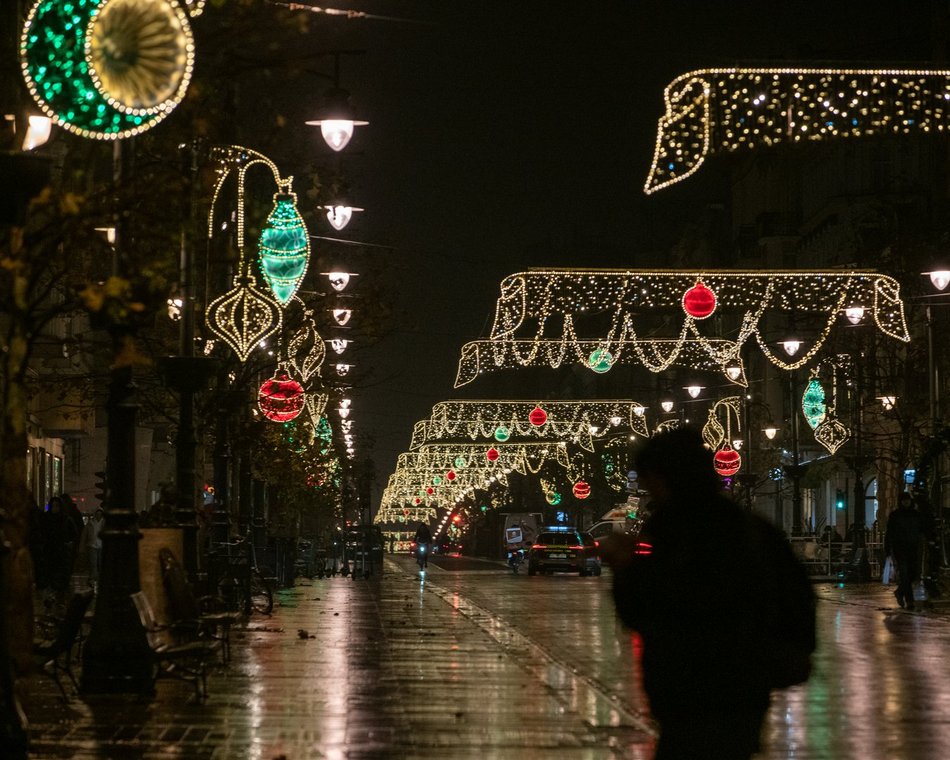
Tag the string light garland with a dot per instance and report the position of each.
(711, 111)
(569, 421)
(107, 69)
(533, 301)
(482, 356)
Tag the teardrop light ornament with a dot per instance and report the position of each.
(243, 316)
(284, 248)
(832, 434)
(699, 301)
(813, 403)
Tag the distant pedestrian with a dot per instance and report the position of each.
(724, 609)
(92, 545)
(61, 540)
(902, 542)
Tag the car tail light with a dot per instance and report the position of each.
(539, 546)
(577, 547)
(643, 549)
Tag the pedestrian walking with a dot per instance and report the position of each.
(61, 539)
(902, 541)
(724, 610)
(91, 543)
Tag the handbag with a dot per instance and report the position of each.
(887, 575)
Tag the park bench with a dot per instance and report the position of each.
(173, 657)
(191, 613)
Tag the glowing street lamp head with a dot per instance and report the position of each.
(734, 372)
(694, 390)
(37, 133)
(939, 278)
(666, 406)
(338, 280)
(854, 314)
(888, 402)
(791, 346)
(339, 216)
(770, 432)
(338, 123)
(639, 410)
(342, 316)
(339, 344)
(737, 443)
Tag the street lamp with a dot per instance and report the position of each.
(693, 391)
(888, 402)
(939, 278)
(338, 119)
(339, 215)
(791, 347)
(854, 314)
(770, 432)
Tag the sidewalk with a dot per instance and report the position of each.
(345, 669)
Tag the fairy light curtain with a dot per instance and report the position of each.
(553, 305)
(712, 111)
(482, 356)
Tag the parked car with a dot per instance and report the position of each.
(563, 549)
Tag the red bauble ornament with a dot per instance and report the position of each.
(430, 490)
(492, 454)
(281, 398)
(537, 416)
(699, 301)
(727, 461)
(450, 475)
(581, 489)
(418, 501)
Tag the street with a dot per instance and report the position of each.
(473, 661)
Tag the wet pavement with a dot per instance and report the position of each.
(474, 661)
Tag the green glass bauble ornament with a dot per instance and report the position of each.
(601, 360)
(284, 248)
(813, 403)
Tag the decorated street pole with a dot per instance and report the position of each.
(110, 70)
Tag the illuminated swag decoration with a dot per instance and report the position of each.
(712, 111)
(551, 308)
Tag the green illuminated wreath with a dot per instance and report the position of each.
(107, 69)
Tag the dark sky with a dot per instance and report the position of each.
(506, 135)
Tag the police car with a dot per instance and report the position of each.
(563, 549)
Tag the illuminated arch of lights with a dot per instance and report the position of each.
(532, 302)
(711, 111)
(570, 421)
(482, 356)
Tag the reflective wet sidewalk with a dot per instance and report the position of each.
(473, 661)
(355, 669)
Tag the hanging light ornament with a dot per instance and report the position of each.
(244, 316)
(537, 416)
(581, 489)
(107, 69)
(813, 403)
(281, 398)
(699, 301)
(727, 461)
(450, 475)
(437, 480)
(502, 434)
(460, 463)
(284, 246)
(600, 361)
(492, 454)
(305, 349)
(552, 497)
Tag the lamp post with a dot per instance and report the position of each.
(791, 347)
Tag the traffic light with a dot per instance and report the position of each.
(102, 489)
(841, 501)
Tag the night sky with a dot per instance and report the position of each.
(508, 135)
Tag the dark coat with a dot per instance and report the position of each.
(905, 529)
(704, 594)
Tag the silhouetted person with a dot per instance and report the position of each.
(708, 587)
(902, 539)
(61, 539)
